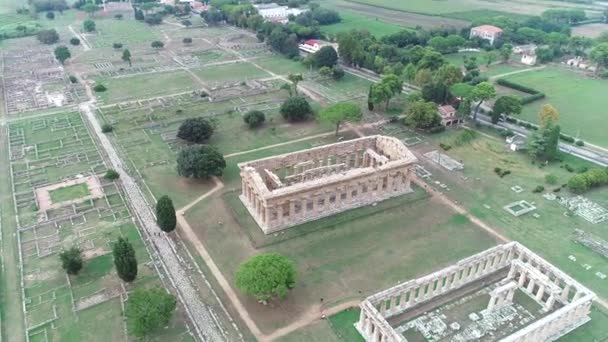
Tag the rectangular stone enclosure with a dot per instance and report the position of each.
(290, 189)
(565, 302)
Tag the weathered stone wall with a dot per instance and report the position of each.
(298, 187)
(567, 301)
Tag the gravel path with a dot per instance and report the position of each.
(199, 313)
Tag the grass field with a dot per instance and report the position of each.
(145, 86)
(69, 193)
(230, 73)
(405, 241)
(356, 21)
(580, 100)
(128, 32)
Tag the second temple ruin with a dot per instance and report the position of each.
(290, 189)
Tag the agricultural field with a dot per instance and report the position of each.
(580, 100)
(494, 69)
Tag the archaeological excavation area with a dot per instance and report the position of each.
(506, 293)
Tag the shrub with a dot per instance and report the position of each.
(157, 44)
(437, 129)
(501, 173)
(567, 138)
(111, 175)
(106, 128)
(73, 79)
(568, 168)
(533, 93)
(254, 118)
(465, 137)
(589, 179)
(580, 143)
(196, 130)
(50, 15)
(582, 169)
(71, 260)
(187, 40)
(551, 179)
(444, 146)
(117, 45)
(88, 25)
(296, 108)
(99, 88)
(538, 189)
(48, 36)
(75, 41)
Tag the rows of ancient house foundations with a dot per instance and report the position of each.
(287, 190)
(527, 271)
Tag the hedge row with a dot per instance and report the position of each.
(533, 93)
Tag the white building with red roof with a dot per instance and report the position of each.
(448, 116)
(314, 45)
(486, 32)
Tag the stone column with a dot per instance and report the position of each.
(292, 210)
(491, 303)
(565, 293)
(540, 293)
(550, 302)
(412, 296)
(522, 278)
(393, 303)
(403, 303)
(279, 207)
(530, 287)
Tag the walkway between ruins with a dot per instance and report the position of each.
(200, 316)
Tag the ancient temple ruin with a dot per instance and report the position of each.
(563, 304)
(290, 189)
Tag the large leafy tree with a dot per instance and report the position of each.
(599, 55)
(165, 214)
(124, 259)
(195, 130)
(340, 112)
(62, 53)
(296, 108)
(88, 25)
(265, 276)
(254, 118)
(126, 56)
(48, 36)
(200, 161)
(325, 57)
(506, 105)
(482, 92)
(547, 114)
(421, 114)
(543, 145)
(148, 310)
(383, 91)
(71, 260)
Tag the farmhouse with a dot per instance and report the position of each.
(448, 116)
(486, 32)
(283, 191)
(276, 13)
(314, 45)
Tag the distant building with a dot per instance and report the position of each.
(448, 115)
(515, 142)
(528, 58)
(276, 13)
(486, 32)
(520, 49)
(314, 45)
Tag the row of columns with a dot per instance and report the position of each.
(425, 288)
(375, 329)
(349, 160)
(502, 296)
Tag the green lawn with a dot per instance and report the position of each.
(128, 32)
(69, 193)
(145, 86)
(580, 100)
(230, 73)
(281, 65)
(354, 21)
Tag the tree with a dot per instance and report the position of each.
(90, 8)
(196, 130)
(124, 259)
(482, 92)
(325, 57)
(165, 214)
(200, 161)
(447, 76)
(117, 45)
(505, 52)
(149, 310)
(340, 112)
(421, 114)
(506, 105)
(157, 44)
(296, 108)
(295, 79)
(186, 23)
(599, 55)
(88, 25)
(187, 40)
(106, 128)
(71, 260)
(75, 41)
(265, 276)
(337, 73)
(50, 15)
(139, 14)
(254, 118)
(547, 114)
(370, 101)
(100, 88)
(325, 72)
(423, 77)
(48, 36)
(126, 56)
(62, 53)
(288, 88)
(111, 175)
(543, 145)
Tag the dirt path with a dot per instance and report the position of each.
(85, 43)
(517, 72)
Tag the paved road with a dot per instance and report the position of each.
(199, 313)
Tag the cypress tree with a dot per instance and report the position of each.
(124, 259)
(370, 103)
(165, 214)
